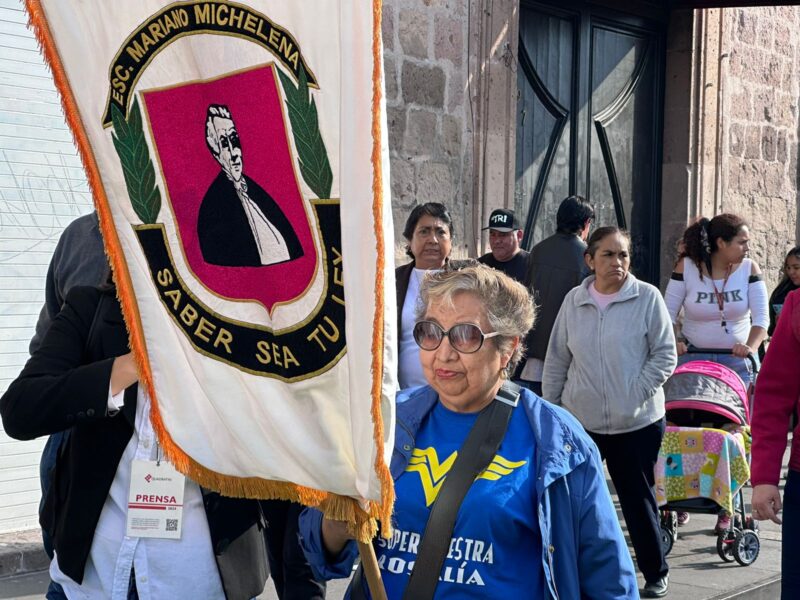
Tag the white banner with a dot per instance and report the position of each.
(238, 157)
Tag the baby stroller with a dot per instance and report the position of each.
(704, 457)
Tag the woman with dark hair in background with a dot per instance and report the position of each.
(429, 235)
(724, 301)
(789, 283)
(721, 292)
(610, 352)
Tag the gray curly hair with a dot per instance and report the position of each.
(506, 302)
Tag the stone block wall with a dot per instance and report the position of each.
(426, 64)
(760, 128)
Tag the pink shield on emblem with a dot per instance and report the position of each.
(223, 147)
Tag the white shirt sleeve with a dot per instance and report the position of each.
(757, 300)
(115, 402)
(674, 297)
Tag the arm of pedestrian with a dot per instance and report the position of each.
(662, 357)
(557, 361)
(326, 563)
(54, 391)
(777, 391)
(675, 294)
(123, 375)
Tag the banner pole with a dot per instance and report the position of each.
(370, 563)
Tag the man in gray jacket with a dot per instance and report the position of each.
(556, 265)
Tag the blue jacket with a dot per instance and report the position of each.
(584, 554)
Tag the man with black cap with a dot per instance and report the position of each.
(505, 236)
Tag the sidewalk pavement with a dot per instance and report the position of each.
(22, 552)
(696, 571)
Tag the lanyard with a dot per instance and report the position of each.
(720, 296)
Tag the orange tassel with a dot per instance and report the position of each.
(384, 475)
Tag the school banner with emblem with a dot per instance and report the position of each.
(238, 158)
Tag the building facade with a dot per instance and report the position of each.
(657, 111)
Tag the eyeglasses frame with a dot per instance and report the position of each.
(446, 334)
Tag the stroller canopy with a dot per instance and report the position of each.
(708, 386)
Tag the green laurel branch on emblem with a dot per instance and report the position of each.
(140, 176)
(311, 151)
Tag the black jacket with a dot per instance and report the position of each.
(224, 231)
(402, 277)
(64, 386)
(556, 266)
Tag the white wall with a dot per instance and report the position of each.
(42, 189)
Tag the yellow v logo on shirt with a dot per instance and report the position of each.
(432, 473)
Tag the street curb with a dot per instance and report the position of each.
(17, 558)
(766, 589)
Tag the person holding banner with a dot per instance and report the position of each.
(499, 493)
(123, 521)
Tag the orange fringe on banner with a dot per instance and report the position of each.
(340, 508)
(385, 476)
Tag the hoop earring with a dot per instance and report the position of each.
(505, 372)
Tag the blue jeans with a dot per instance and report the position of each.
(46, 465)
(790, 562)
(55, 592)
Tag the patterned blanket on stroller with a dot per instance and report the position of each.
(699, 462)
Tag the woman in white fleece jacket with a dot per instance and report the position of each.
(611, 349)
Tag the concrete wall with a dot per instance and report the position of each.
(451, 92)
(731, 126)
(760, 126)
(426, 62)
(731, 117)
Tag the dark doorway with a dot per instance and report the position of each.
(590, 84)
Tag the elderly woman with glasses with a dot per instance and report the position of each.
(537, 521)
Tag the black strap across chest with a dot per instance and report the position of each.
(475, 454)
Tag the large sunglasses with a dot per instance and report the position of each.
(465, 338)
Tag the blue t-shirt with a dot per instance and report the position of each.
(496, 549)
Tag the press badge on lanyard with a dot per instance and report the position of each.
(155, 500)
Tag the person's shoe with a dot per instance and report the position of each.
(723, 523)
(683, 518)
(657, 588)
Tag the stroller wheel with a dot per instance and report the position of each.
(725, 542)
(746, 548)
(666, 540)
(669, 522)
